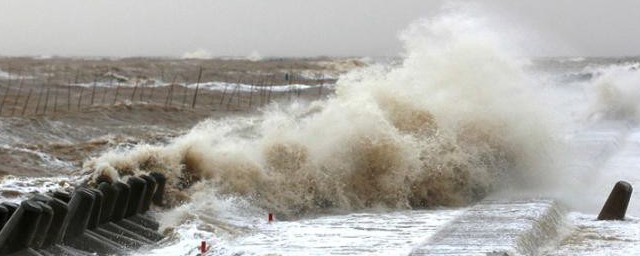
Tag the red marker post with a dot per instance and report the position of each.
(203, 247)
(270, 217)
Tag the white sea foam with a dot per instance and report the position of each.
(459, 118)
(450, 124)
(11, 76)
(615, 93)
(5, 75)
(198, 54)
(16, 189)
(213, 86)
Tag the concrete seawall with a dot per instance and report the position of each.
(498, 227)
(109, 219)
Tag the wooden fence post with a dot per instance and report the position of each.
(55, 102)
(115, 98)
(93, 91)
(251, 93)
(141, 92)
(185, 92)
(321, 85)
(26, 102)
(170, 92)
(69, 98)
(106, 90)
(104, 94)
(166, 101)
(46, 101)
(6, 92)
(195, 95)
(231, 96)
(270, 85)
(80, 98)
(288, 92)
(75, 82)
(135, 88)
(39, 97)
(153, 88)
(15, 106)
(224, 92)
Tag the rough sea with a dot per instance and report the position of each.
(399, 151)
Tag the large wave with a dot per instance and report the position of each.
(615, 93)
(454, 121)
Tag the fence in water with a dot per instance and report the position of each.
(32, 96)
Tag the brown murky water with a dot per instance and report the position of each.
(56, 113)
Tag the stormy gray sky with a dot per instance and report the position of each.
(293, 27)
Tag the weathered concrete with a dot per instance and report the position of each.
(616, 205)
(496, 227)
(109, 220)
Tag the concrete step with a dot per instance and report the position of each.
(498, 227)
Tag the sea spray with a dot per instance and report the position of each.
(456, 120)
(615, 93)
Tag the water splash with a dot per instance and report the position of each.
(445, 127)
(615, 93)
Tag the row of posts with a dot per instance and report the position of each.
(27, 98)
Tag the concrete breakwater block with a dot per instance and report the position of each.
(107, 220)
(497, 227)
(616, 205)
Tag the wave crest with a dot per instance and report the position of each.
(446, 127)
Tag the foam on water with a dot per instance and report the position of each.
(445, 127)
(599, 132)
(616, 93)
(604, 144)
(232, 226)
(456, 120)
(213, 86)
(4, 75)
(592, 237)
(17, 189)
(231, 87)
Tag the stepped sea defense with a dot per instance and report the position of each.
(107, 220)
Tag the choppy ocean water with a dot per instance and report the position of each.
(397, 153)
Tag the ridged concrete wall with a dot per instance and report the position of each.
(106, 220)
(497, 227)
